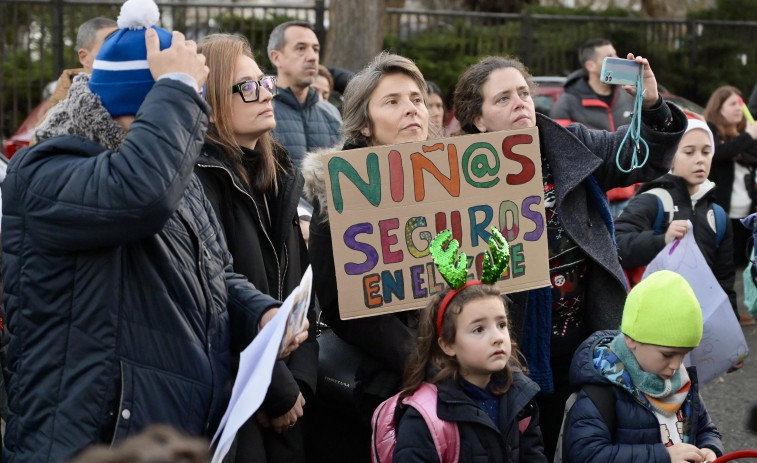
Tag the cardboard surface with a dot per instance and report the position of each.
(387, 203)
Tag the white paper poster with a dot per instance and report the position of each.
(723, 344)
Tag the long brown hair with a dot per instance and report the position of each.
(713, 116)
(469, 97)
(429, 354)
(221, 52)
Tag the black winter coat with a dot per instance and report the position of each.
(638, 244)
(576, 153)
(121, 299)
(480, 440)
(385, 337)
(271, 254)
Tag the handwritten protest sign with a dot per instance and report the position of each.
(387, 203)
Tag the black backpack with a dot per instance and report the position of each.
(603, 399)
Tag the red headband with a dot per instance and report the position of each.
(445, 302)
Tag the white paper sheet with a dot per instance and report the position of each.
(256, 365)
(723, 343)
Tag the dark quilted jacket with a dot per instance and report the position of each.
(301, 128)
(636, 436)
(580, 104)
(120, 296)
(638, 243)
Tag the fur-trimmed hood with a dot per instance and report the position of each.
(81, 113)
(314, 170)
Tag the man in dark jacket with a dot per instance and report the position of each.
(89, 39)
(589, 101)
(122, 304)
(303, 122)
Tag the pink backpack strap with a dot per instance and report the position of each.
(384, 437)
(444, 433)
(523, 424)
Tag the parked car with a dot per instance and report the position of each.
(23, 134)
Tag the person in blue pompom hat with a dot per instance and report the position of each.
(122, 61)
(122, 305)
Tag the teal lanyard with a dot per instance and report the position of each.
(635, 131)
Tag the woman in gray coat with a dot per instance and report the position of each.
(588, 287)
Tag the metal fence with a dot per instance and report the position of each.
(691, 57)
(40, 38)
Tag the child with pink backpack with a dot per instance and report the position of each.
(465, 397)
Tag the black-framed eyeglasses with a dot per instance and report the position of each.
(250, 89)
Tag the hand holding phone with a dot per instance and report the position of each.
(618, 71)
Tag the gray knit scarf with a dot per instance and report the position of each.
(82, 114)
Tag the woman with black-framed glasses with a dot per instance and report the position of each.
(250, 88)
(254, 189)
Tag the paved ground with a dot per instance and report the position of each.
(732, 397)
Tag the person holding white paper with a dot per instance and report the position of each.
(693, 196)
(384, 104)
(254, 189)
(122, 303)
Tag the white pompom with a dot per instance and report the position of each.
(138, 14)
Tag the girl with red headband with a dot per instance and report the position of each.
(464, 349)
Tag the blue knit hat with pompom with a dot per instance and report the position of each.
(120, 74)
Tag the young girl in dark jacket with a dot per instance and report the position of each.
(254, 190)
(693, 195)
(474, 366)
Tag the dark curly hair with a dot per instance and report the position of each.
(469, 98)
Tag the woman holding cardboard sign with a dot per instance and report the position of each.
(578, 165)
(254, 189)
(384, 104)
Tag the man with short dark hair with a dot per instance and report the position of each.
(587, 99)
(90, 38)
(596, 105)
(303, 122)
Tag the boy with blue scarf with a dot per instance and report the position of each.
(660, 416)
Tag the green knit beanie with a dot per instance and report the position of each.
(664, 311)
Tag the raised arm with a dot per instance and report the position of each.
(75, 195)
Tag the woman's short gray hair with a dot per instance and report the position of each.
(358, 93)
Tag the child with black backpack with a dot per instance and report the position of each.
(659, 211)
(464, 396)
(659, 416)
